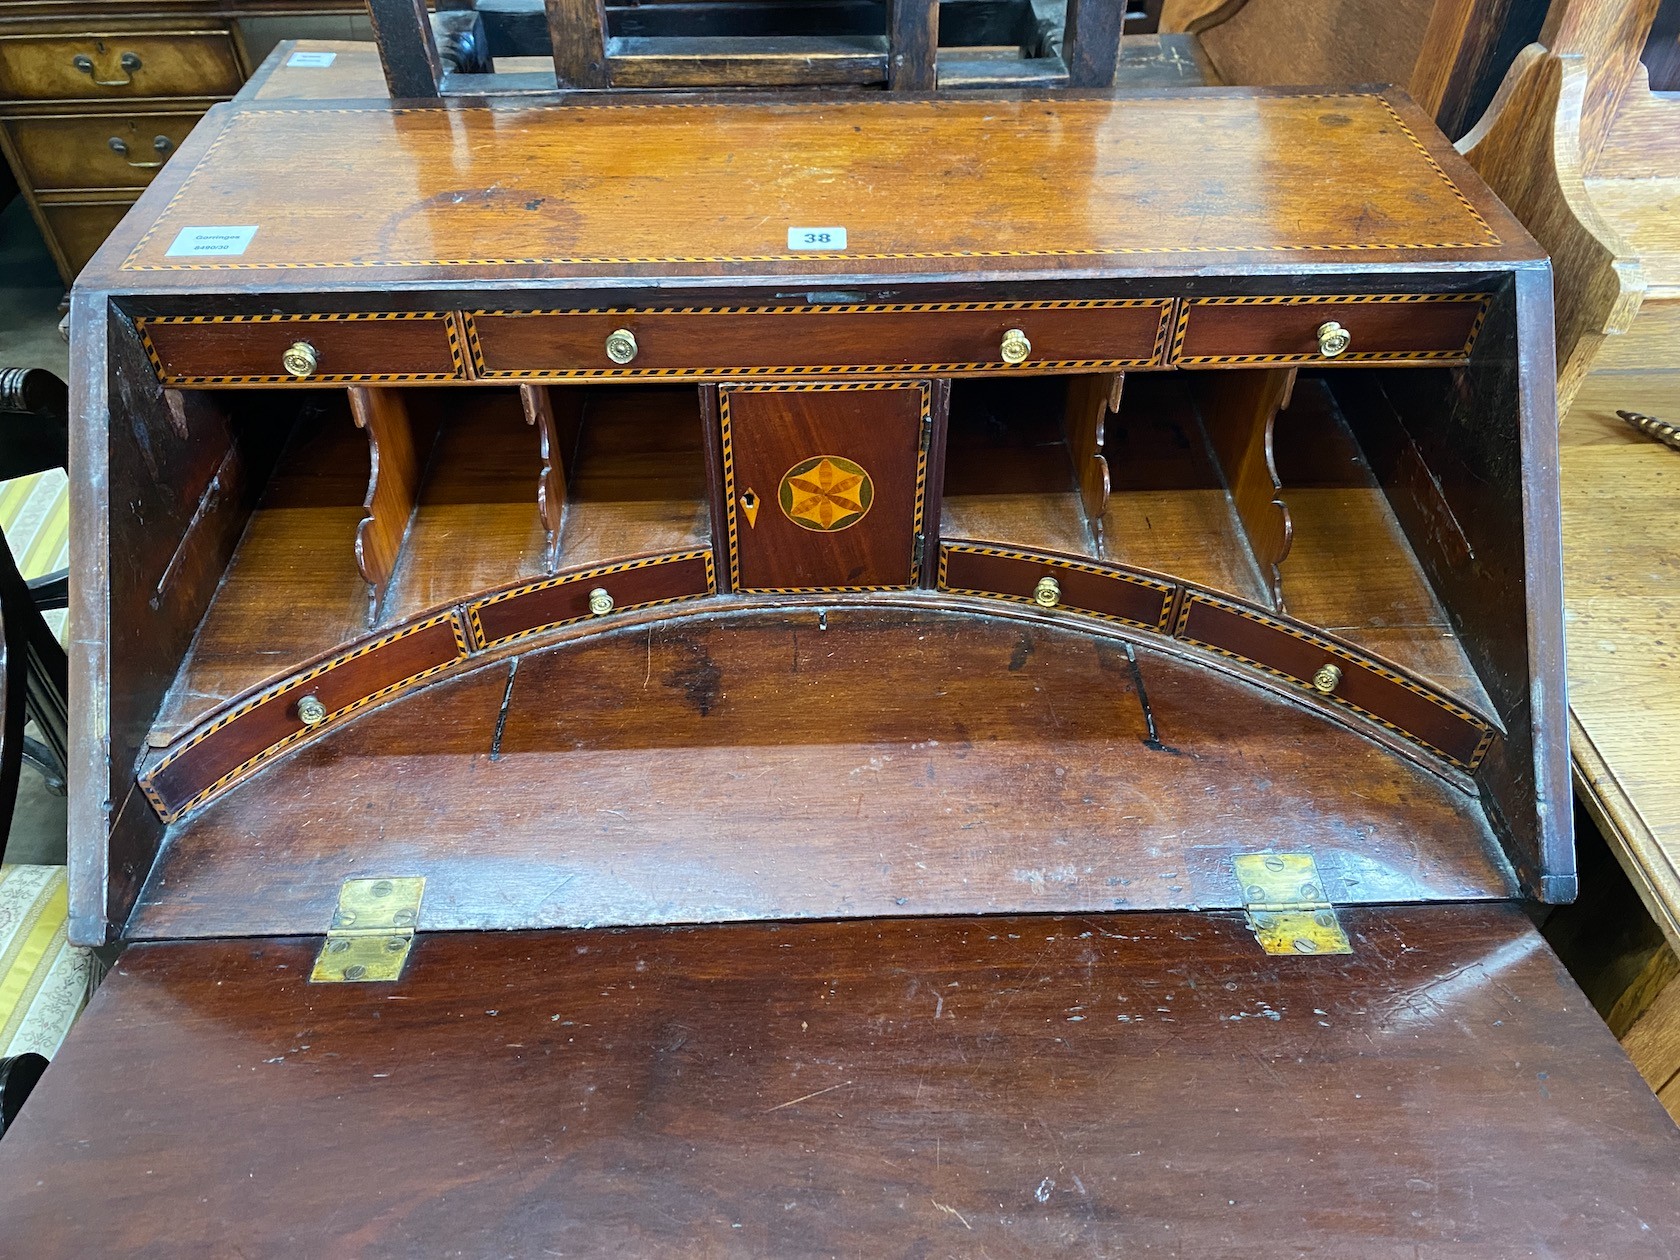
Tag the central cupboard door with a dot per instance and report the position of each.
(825, 483)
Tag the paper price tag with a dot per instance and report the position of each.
(210, 242)
(311, 60)
(819, 239)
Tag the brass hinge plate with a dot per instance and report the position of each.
(372, 931)
(1286, 905)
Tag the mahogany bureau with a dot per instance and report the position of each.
(721, 676)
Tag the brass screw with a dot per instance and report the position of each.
(381, 889)
(1048, 592)
(394, 945)
(338, 946)
(311, 712)
(1304, 946)
(600, 603)
(355, 971)
(1327, 679)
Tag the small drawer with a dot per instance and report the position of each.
(1389, 328)
(1055, 582)
(254, 732)
(591, 593)
(737, 342)
(101, 67)
(1336, 672)
(97, 150)
(253, 349)
(79, 228)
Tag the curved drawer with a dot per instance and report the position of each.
(1367, 686)
(558, 601)
(1097, 590)
(1381, 328)
(256, 730)
(756, 341)
(377, 348)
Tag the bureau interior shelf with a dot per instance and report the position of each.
(635, 483)
(1012, 478)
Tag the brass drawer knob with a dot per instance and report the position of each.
(1333, 339)
(600, 603)
(1048, 592)
(1327, 679)
(311, 712)
(300, 359)
(621, 345)
(1015, 347)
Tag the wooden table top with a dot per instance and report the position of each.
(965, 186)
(1622, 604)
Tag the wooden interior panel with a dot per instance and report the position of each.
(1073, 1086)
(895, 762)
(1238, 410)
(399, 445)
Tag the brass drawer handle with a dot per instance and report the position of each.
(161, 144)
(311, 712)
(600, 603)
(300, 359)
(1333, 339)
(128, 61)
(621, 345)
(1327, 679)
(1015, 346)
(1048, 592)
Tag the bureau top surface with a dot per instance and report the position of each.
(300, 196)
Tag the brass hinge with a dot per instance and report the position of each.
(372, 930)
(1286, 905)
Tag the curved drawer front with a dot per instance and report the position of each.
(386, 347)
(738, 342)
(1375, 690)
(100, 67)
(559, 601)
(1097, 590)
(1381, 328)
(251, 733)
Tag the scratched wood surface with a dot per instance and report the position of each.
(1145, 179)
(814, 762)
(1090, 1086)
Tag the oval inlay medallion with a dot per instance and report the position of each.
(826, 493)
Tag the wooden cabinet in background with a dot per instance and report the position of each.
(94, 98)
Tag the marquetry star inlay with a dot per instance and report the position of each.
(826, 493)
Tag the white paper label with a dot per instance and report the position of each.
(311, 60)
(826, 240)
(210, 242)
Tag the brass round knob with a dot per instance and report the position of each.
(1015, 347)
(311, 712)
(1327, 679)
(300, 359)
(1333, 339)
(1048, 592)
(621, 345)
(600, 603)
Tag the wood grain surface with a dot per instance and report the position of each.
(1090, 1086)
(814, 762)
(1146, 178)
